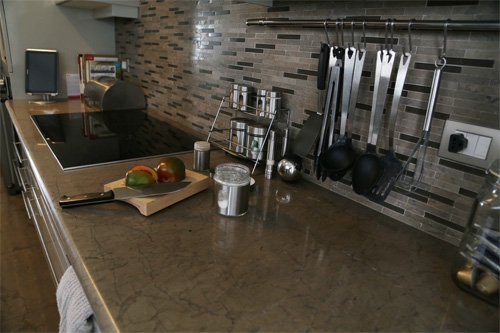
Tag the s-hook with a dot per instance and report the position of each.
(441, 61)
(410, 22)
(392, 23)
(386, 34)
(392, 33)
(337, 31)
(325, 25)
(342, 32)
(352, 33)
(364, 36)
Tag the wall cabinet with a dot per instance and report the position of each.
(102, 9)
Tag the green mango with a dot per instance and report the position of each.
(138, 178)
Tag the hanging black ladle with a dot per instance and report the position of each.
(340, 157)
(368, 168)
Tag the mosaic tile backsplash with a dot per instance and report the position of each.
(186, 54)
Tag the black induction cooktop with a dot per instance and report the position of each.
(86, 139)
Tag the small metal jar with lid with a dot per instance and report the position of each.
(234, 96)
(273, 103)
(260, 104)
(231, 188)
(201, 156)
(476, 268)
(244, 98)
(256, 136)
(237, 134)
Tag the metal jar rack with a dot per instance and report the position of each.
(219, 133)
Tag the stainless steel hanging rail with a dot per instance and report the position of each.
(380, 24)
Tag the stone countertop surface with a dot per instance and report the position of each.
(302, 258)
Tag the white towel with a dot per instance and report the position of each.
(74, 308)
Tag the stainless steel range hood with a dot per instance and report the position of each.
(107, 93)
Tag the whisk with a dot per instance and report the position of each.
(408, 179)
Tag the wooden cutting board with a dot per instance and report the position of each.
(150, 205)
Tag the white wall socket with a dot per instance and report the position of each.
(483, 145)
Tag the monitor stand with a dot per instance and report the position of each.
(46, 100)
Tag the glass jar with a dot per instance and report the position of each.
(476, 268)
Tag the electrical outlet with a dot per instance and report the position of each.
(483, 144)
(458, 142)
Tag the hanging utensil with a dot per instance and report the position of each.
(324, 57)
(346, 153)
(334, 105)
(330, 106)
(309, 132)
(392, 166)
(335, 101)
(335, 64)
(408, 179)
(367, 168)
(341, 156)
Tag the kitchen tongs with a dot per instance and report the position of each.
(331, 103)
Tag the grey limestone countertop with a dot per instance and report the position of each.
(301, 259)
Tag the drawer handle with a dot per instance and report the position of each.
(27, 205)
(24, 182)
(18, 144)
(16, 171)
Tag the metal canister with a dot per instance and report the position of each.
(234, 96)
(237, 134)
(260, 104)
(201, 155)
(273, 103)
(256, 135)
(244, 98)
(231, 188)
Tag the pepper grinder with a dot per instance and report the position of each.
(270, 155)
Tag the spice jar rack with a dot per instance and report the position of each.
(232, 128)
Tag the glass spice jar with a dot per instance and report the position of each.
(476, 268)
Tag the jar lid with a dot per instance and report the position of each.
(202, 145)
(257, 129)
(232, 174)
(273, 94)
(493, 171)
(239, 123)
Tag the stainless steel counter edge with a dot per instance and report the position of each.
(47, 177)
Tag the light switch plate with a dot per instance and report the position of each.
(483, 134)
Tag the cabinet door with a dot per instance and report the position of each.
(106, 8)
(39, 211)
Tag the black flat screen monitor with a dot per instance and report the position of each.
(41, 72)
